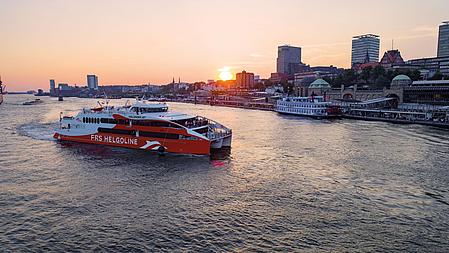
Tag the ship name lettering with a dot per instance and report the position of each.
(114, 139)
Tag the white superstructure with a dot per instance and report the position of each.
(307, 106)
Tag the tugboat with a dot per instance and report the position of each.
(314, 106)
(147, 126)
(1, 91)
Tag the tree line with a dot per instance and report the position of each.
(374, 78)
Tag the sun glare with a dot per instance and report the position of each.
(225, 74)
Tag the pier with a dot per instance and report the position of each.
(385, 110)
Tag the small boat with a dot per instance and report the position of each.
(34, 102)
(60, 98)
(146, 126)
(315, 107)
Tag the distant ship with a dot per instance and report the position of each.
(34, 102)
(146, 126)
(1, 91)
(314, 106)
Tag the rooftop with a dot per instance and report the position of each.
(319, 83)
(401, 78)
(366, 36)
(430, 83)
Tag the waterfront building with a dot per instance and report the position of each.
(431, 65)
(326, 71)
(279, 77)
(245, 80)
(391, 59)
(305, 78)
(400, 82)
(92, 82)
(274, 90)
(365, 49)
(289, 60)
(52, 87)
(63, 86)
(443, 40)
(428, 92)
(319, 87)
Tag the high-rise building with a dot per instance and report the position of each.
(244, 80)
(443, 40)
(289, 60)
(92, 82)
(52, 86)
(365, 49)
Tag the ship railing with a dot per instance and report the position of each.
(195, 123)
(108, 110)
(218, 131)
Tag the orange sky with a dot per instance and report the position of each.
(135, 42)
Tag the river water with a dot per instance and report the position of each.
(288, 184)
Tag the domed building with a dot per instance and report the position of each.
(319, 87)
(400, 81)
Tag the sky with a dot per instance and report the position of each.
(152, 41)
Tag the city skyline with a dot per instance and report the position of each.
(152, 42)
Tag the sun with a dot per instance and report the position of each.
(225, 74)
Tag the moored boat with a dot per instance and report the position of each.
(147, 126)
(314, 106)
(33, 102)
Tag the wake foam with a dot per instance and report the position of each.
(38, 131)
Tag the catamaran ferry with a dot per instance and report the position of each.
(315, 106)
(147, 126)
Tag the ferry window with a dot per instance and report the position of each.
(112, 121)
(123, 122)
(84, 120)
(116, 131)
(202, 130)
(153, 123)
(149, 110)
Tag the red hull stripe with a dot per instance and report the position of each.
(197, 147)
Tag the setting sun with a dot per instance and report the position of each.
(225, 74)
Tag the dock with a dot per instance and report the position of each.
(384, 110)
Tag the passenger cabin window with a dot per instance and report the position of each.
(152, 123)
(148, 110)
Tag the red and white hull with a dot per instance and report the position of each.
(155, 131)
(198, 147)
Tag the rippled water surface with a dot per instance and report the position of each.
(288, 184)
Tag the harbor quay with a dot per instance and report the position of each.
(404, 101)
